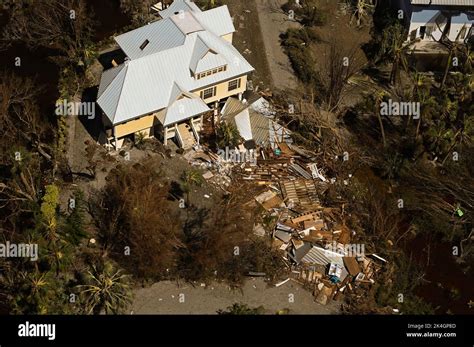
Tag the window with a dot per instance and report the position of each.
(208, 93)
(144, 44)
(235, 84)
(211, 72)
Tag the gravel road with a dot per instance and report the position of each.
(169, 298)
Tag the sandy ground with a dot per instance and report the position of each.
(274, 22)
(164, 298)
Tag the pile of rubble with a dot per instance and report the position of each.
(315, 242)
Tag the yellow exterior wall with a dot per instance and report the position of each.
(147, 122)
(134, 126)
(228, 37)
(222, 90)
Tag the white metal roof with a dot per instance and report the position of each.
(217, 20)
(162, 35)
(186, 22)
(179, 6)
(107, 77)
(444, 2)
(184, 108)
(145, 83)
(210, 61)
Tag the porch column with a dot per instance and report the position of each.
(165, 136)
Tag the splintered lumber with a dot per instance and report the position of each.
(352, 265)
(301, 192)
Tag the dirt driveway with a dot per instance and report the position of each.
(168, 298)
(274, 22)
(258, 25)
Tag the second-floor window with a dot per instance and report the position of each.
(211, 72)
(208, 93)
(235, 84)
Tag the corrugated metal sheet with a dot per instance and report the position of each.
(217, 20)
(199, 51)
(260, 128)
(263, 130)
(186, 23)
(183, 109)
(321, 256)
(162, 35)
(147, 82)
(177, 6)
(242, 122)
(444, 2)
(232, 108)
(107, 77)
(210, 61)
(110, 97)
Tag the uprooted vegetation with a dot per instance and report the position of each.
(143, 229)
(413, 175)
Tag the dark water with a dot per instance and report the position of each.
(445, 286)
(448, 287)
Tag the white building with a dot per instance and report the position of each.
(427, 19)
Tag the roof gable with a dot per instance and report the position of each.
(159, 73)
(179, 6)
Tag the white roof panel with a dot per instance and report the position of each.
(217, 20)
(162, 35)
(186, 23)
(107, 77)
(210, 61)
(183, 109)
(444, 2)
(179, 6)
(157, 74)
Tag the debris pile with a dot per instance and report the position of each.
(313, 240)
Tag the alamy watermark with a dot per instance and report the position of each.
(395, 108)
(70, 108)
(19, 250)
(235, 156)
(347, 250)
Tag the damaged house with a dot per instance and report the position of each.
(176, 70)
(426, 20)
(254, 121)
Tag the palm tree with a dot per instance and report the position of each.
(394, 47)
(107, 290)
(362, 9)
(379, 95)
(455, 48)
(191, 178)
(227, 135)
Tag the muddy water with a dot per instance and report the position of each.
(445, 286)
(448, 289)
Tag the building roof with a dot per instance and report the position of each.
(443, 2)
(183, 108)
(179, 6)
(176, 45)
(252, 124)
